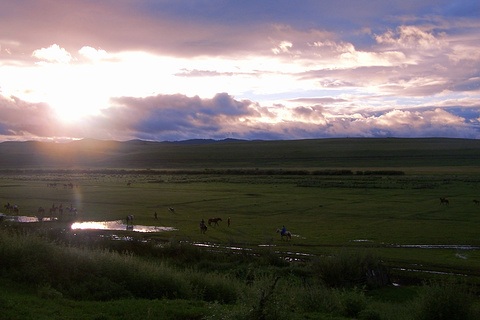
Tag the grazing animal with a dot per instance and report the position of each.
(214, 221)
(476, 201)
(286, 234)
(203, 228)
(172, 210)
(444, 201)
(8, 207)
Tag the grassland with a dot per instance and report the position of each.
(375, 207)
(308, 154)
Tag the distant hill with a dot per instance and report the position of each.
(231, 153)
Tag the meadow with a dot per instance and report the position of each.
(397, 218)
(370, 241)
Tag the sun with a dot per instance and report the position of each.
(72, 106)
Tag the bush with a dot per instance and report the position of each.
(444, 301)
(351, 270)
(213, 287)
(353, 302)
(369, 314)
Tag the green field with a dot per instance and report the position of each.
(322, 212)
(376, 206)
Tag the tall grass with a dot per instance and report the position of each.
(237, 287)
(446, 300)
(102, 274)
(347, 269)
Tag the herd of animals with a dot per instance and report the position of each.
(203, 228)
(41, 212)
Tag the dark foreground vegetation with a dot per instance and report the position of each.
(57, 275)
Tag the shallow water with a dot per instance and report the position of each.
(438, 246)
(91, 225)
(117, 225)
(24, 219)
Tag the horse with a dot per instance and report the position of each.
(444, 201)
(203, 228)
(214, 221)
(8, 207)
(53, 209)
(287, 234)
(41, 210)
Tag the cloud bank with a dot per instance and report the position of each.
(178, 117)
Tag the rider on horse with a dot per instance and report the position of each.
(283, 231)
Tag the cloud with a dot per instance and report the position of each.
(93, 54)
(176, 117)
(313, 100)
(21, 119)
(179, 117)
(169, 115)
(53, 54)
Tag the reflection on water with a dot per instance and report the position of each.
(438, 246)
(91, 225)
(117, 225)
(24, 219)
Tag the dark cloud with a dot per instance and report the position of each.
(24, 119)
(179, 114)
(178, 117)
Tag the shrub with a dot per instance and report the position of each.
(353, 302)
(213, 287)
(351, 270)
(369, 314)
(444, 301)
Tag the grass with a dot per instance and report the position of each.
(334, 212)
(346, 222)
(315, 153)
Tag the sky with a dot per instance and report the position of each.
(215, 69)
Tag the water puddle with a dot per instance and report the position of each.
(24, 219)
(288, 256)
(430, 272)
(117, 225)
(437, 246)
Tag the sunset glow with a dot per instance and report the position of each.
(175, 70)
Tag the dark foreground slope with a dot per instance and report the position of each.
(317, 153)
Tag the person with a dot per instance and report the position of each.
(284, 230)
(228, 221)
(202, 223)
(155, 215)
